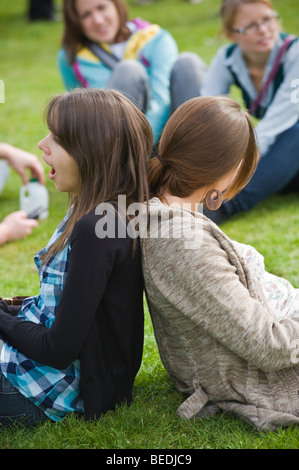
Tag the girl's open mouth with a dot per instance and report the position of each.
(52, 173)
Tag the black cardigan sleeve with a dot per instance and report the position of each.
(92, 261)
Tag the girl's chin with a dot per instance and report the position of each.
(267, 44)
(104, 37)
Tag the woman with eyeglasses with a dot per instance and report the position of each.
(253, 28)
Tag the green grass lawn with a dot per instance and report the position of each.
(28, 69)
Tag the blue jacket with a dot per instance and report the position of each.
(154, 47)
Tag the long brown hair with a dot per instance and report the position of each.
(73, 37)
(203, 141)
(229, 8)
(111, 142)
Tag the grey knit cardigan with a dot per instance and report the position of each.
(219, 345)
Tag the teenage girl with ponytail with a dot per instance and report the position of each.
(227, 330)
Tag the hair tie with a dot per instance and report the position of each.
(163, 162)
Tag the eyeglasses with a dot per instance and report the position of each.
(253, 28)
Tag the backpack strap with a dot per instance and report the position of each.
(140, 23)
(78, 75)
(287, 42)
(276, 76)
(106, 57)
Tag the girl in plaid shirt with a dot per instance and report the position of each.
(77, 346)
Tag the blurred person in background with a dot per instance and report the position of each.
(41, 10)
(102, 48)
(262, 62)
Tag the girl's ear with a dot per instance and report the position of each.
(230, 35)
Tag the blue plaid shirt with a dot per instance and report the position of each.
(54, 391)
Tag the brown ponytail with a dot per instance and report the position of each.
(203, 141)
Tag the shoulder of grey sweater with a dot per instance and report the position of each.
(186, 243)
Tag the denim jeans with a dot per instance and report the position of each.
(131, 79)
(15, 408)
(187, 77)
(277, 172)
(186, 80)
